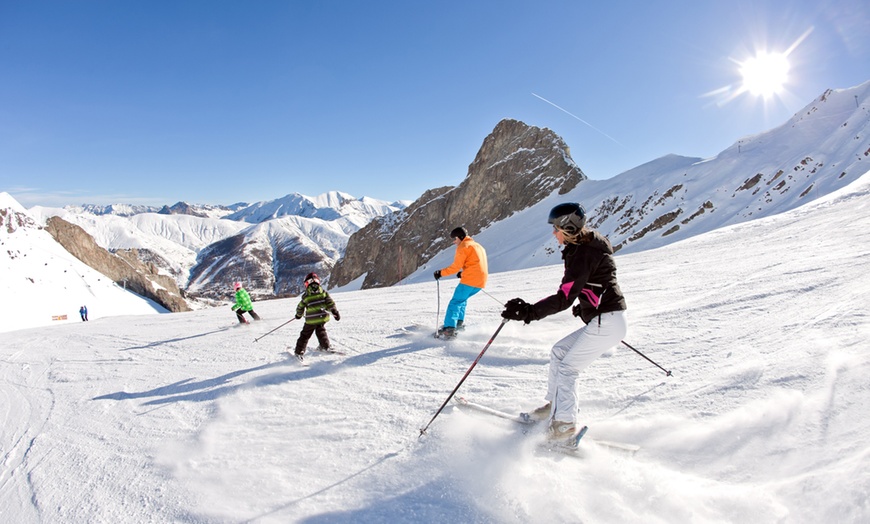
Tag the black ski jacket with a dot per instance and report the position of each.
(590, 275)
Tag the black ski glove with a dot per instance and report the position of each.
(298, 317)
(518, 309)
(459, 275)
(335, 314)
(437, 274)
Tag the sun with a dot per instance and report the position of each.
(765, 74)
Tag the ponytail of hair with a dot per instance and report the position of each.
(583, 236)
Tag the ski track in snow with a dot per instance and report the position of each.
(184, 418)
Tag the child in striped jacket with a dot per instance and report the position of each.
(315, 305)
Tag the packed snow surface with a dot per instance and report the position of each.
(186, 418)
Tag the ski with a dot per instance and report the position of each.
(323, 351)
(619, 446)
(295, 358)
(573, 444)
(522, 418)
(575, 441)
(573, 448)
(444, 333)
(330, 351)
(570, 446)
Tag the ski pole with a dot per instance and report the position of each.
(668, 373)
(492, 297)
(503, 322)
(276, 329)
(438, 313)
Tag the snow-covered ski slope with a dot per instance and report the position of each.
(183, 418)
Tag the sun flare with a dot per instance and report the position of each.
(765, 74)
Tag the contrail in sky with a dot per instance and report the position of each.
(578, 118)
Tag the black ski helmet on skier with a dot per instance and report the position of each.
(459, 233)
(569, 217)
(311, 278)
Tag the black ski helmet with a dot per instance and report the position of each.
(311, 277)
(459, 233)
(569, 217)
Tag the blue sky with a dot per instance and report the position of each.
(219, 102)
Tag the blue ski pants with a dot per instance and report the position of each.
(456, 307)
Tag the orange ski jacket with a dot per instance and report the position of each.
(470, 258)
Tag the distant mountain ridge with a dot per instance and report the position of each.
(277, 242)
(199, 210)
(327, 206)
(179, 208)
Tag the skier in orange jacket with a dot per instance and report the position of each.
(470, 264)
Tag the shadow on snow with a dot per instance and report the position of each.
(214, 388)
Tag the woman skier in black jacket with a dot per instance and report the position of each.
(590, 276)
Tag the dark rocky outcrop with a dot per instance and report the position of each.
(516, 167)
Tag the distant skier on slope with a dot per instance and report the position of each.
(471, 265)
(243, 304)
(315, 304)
(590, 276)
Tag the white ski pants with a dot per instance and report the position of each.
(573, 353)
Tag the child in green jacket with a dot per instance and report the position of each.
(315, 305)
(243, 303)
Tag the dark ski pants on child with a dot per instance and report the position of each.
(305, 335)
(242, 319)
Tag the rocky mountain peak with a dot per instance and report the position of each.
(517, 166)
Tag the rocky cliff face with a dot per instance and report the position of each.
(123, 268)
(516, 167)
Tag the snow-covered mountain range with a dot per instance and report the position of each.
(350, 212)
(269, 245)
(179, 208)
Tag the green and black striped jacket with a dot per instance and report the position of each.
(315, 305)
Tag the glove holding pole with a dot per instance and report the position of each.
(518, 309)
